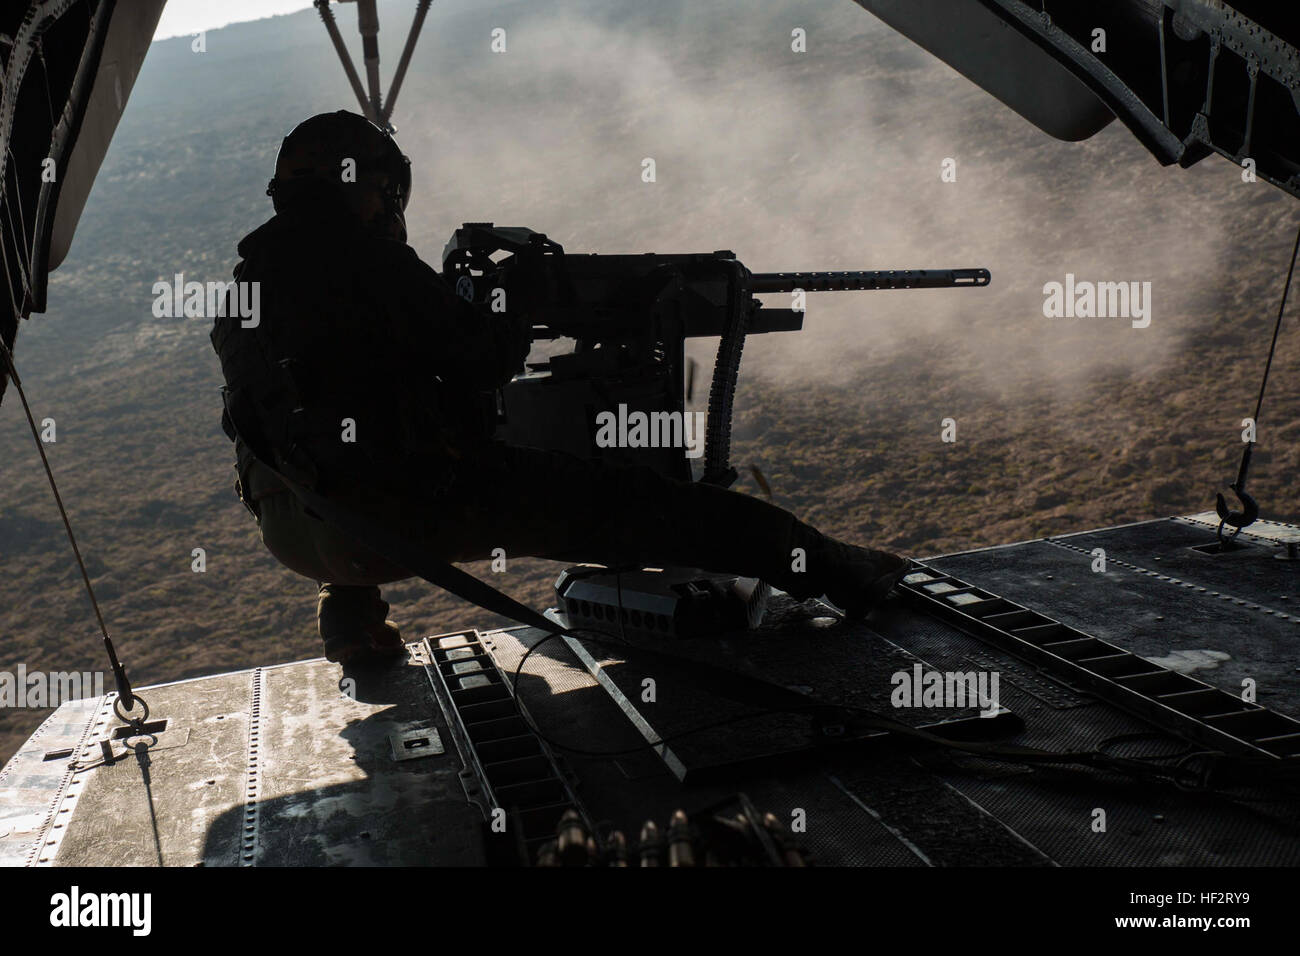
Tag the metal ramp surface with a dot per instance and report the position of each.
(297, 765)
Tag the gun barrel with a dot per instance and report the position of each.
(848, 281)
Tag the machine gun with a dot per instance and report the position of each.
(629, 317)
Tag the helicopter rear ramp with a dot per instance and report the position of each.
(289, 765)
(1173, 647)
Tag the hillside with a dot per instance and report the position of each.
(828, 159)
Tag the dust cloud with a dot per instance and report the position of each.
(831, 159)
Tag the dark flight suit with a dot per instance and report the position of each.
(358, 328)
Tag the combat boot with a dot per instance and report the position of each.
(857, 579)
(353, 626)
(851, 578)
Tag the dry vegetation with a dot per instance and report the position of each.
(829, 160)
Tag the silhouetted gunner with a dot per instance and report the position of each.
(364, 375)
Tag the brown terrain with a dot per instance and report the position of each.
(823, 160)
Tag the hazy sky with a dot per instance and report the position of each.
(185, 17)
